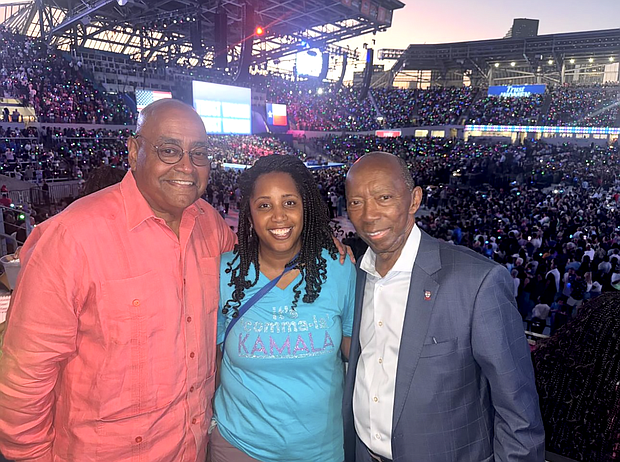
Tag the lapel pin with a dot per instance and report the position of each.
(427, 295)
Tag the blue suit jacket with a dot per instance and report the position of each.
(471, 396)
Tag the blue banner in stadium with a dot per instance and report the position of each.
(518, 91)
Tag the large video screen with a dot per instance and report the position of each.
(223, 109)
(519, 91)
(309, 62)
(146, 97)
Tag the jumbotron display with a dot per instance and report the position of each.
(224, 109)
(516, 91)
(309, 63)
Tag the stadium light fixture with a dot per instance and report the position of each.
(550, 62)
(611, 59)
(513, 64)
(572, 61)
(259, 31)
(591, 60)
(496, 64)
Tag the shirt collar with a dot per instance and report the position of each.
(405, 260)
(137, 209)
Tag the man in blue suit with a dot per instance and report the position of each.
(439, 368)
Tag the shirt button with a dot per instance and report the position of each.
(136, 302)
(189, 319)
(138, 439)
(375, 399)
(380, 360)
(380, 323)
(191, 389)
(191, 355)
(377, 436)
(194, 420)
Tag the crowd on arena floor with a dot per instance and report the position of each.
(548, 213)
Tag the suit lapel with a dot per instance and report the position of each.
(423, 290)
(357, 319)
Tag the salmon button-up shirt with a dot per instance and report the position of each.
(109, 352)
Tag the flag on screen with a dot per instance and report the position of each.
(276, 115)
(146, 97)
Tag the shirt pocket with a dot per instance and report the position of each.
(444, 348)
(137, 374)
(210, 271)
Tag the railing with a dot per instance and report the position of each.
(38, 196)
(21, 119)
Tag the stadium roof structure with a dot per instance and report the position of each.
(185, 29)
(543, 58)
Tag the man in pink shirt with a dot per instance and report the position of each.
(109, 351)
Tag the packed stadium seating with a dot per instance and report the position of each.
(60, 91)
(585, 106)
(54, 85)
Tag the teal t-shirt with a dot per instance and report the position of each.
(282, 377)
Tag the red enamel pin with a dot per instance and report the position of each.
(427, 295)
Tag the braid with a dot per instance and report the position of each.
(316, 234)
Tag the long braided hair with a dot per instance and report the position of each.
(316, 234)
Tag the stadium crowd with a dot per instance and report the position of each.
(54, 85)
(593, 106)
(548, 213)
(543, 211)
(522, 205)
(491, 110)
(334, 108)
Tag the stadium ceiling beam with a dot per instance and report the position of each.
(20, 21)
(165, 40)
(99, 28)
(94, 35)
(483, 73)
(285, 49)
(301, 21)
(70, 21)
(28, 18)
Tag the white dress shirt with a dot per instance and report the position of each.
(383, 316)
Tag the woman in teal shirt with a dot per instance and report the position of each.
(282, 376)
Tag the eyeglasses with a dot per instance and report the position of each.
(171, 154)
